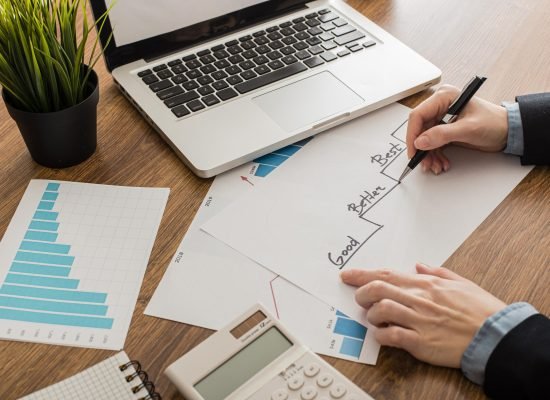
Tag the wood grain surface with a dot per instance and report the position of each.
(509, 253)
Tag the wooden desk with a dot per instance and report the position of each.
(509, 254)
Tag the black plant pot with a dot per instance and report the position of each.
(63, 138)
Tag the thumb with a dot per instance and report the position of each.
(439, 136)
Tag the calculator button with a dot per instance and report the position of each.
(325, 380)
(311, 370)
(308, 393)
(338, 391)
(280, 394)
(296, 382)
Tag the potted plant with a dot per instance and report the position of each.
(48, 84)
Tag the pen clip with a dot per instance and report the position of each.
(466, 94)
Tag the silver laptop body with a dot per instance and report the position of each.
(377, 71)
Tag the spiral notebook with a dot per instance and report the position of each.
(115, 378)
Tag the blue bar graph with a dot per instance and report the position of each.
(44, 258)
(267, 163)
(56, 319)
(353, 335)
(46, 205)
(45, 247)
(351, 347)
(53, 294)
(46, 215)
(53, 306)
(24, 279)
(42, 236)
(38, 288)
(39, 269)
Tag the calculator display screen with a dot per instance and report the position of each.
(242, 366)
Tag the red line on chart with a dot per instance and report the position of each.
(244, 178)
(273, 296)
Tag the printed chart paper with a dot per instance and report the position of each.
(208, 283)
(72, 261)
(338, 205)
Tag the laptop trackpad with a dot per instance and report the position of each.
(303, 103)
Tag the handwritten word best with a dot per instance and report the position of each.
(383, 159)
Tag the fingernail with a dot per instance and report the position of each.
(345, 274)
(424, 265)
(424, 168)
(446, 167)
(422, 141)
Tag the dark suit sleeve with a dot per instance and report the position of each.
(519, 367)
(535, 118)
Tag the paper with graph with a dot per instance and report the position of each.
(208, 283)
(72, 261)
(338, 205)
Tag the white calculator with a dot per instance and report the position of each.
(256, 358)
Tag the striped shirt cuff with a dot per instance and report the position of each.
(515, 130)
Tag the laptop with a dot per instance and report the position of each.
(227, 81)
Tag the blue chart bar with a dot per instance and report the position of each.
(56, 319)
(44, 226)
(46, 205)
(51, 196)
(288, 150)
(263, 170)
(45, 247)
(350, 328)
(341, 314)
(351, 347)
(39, 269)
(53, 294)
(44, 258)
(271, 159)
(54, 306)
(46, 215)
(52, 186)
(42, 236)
(61, 283)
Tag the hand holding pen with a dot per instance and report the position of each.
(480, 125)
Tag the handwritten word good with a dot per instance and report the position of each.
(348, 251)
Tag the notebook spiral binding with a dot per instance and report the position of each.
(145, 382)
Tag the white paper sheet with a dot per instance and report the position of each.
(208, 283)
(338, 205)
(72, 261)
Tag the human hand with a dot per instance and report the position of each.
(433, 314)
(481, 125)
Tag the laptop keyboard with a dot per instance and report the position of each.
(225, 71)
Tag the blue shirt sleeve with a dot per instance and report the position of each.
(474, 360)
(515, 130)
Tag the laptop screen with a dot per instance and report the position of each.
(147, 29)
(135, 20)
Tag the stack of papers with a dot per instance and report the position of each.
(280, 230)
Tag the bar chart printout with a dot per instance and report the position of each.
(72, 262)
